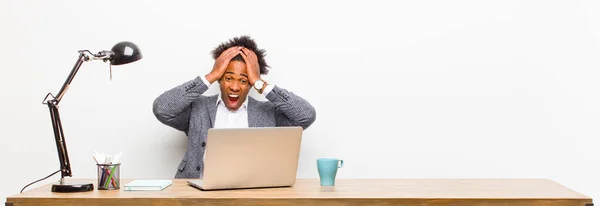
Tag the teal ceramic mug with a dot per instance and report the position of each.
(328, 169)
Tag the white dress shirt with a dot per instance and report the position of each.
(226, 118)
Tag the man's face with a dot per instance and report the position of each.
(234, 85)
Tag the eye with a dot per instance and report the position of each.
(243, 81)
(228, 79)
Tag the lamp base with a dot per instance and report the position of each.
(72, 187)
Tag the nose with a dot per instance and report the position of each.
(235, 87)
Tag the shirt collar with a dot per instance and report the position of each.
(244, 105)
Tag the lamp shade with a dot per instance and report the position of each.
(125, 52)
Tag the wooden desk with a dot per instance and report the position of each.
(346, 192)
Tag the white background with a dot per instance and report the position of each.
(402, 89)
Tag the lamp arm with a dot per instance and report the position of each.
(61, 145)
(59, 137)
(67, 83)
(84, 55)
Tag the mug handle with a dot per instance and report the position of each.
(341, 164)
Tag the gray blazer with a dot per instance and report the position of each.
(185, 109)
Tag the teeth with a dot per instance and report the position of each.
(234, 95)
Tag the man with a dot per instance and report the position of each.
(238, 66)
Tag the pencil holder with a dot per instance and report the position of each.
(109, 177)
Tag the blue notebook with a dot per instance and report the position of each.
(147, 185)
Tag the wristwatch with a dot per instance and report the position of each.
(258, 84)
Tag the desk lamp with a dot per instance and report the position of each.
(122, 53)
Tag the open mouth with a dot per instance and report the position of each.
(233, 99)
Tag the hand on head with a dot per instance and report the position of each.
(222, 62)
(251, 64)
(224, 59)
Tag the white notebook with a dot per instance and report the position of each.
(147, 185)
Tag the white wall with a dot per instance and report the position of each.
(403, 89)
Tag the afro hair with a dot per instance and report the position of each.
(248, 43)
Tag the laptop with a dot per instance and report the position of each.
(250, 158)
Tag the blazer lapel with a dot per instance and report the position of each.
(211, 106)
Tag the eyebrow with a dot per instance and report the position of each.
(234, 73)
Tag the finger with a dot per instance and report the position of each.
(248, 58)
(231, 50)
(228, 51)
(244, 56)
(234, 48)
(250, 53)
(246, 52)
(233, 54)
